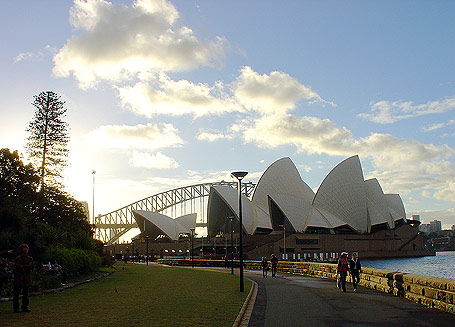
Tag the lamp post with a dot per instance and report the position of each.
(239, 175)
(147, 251)
(231, 218)
(284, 237)
(93, 200)
(192, 247)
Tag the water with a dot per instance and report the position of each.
(442, 265)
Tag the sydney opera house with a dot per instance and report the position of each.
(286, 217)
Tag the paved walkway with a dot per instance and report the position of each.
(305, 301)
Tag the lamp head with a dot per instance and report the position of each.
(239, 174)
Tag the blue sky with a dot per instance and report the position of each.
(166, 94)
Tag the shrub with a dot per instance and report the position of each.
(76, 261)
(107, 260)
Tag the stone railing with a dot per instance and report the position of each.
(432, 292)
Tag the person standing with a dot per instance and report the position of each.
(226, 262)
(274, 262)
(343, 269)
(355, 268)
(265, 267)
(23, 267)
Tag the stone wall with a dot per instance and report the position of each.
(432, 292)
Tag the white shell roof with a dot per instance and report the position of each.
(167, 225)
(281, 177)
(342, 193)
(343, 199)
(231, 197)
(294, 208)
(378, 207)
(396, 204)
(187, 221)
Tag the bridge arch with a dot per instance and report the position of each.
(111, 226)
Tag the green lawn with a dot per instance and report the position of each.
(139, 295)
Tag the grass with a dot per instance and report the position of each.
(139, 295)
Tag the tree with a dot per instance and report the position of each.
(48, 140)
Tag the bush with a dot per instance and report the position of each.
(45, 281)
(76, 261)
(107, 260)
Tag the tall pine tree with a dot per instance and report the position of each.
(48, 139)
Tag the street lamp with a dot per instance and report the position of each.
(93, 200)
(284, 237)
(231, 218)
(240, 175)
(192, 247)
(147, 251)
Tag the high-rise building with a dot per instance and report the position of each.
(435, 226)
(432, 227)
(415, 217)
(86, 210)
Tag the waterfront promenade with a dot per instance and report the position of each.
(291, 300)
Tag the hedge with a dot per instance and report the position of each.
(76, 261)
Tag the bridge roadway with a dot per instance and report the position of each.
(292, 301)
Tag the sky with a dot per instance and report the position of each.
(164, 94)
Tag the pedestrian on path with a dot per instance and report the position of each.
(265, 267)
(343, 269)
(355, 268)
(274, 262)
(23, 267)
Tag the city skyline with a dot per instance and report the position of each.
(166, 94)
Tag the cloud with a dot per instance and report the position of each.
(166, 96)
(268, 94)
(34, 56)
(386, 112)
(213, 136)
(308, 134)
(152, 161)
(145, 137)
(438, 126)
(117, 42)
(250, 92)
(401, 165)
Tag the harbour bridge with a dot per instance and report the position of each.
(173, 203)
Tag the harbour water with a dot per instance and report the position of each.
(442, 265)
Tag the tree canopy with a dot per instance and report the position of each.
(48, 139)
(42, 220)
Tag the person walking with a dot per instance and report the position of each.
(265, 267)
(23, 267)
(342, 269)
(274, 262)
(356, 268)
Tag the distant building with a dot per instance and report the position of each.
(432, 227)
(415, 217)
(85, 208)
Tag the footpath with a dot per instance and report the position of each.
(291, 300)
